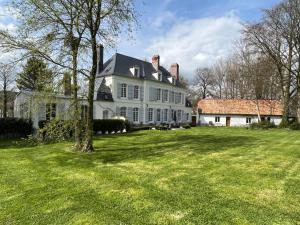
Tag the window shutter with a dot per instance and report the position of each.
(141, 114)
(142, 93)
(118, 111)
(129, 114)
(130, 92)
(119, 90)
(42, 112)
(170, 115)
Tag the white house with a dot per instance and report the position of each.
(238, 112)
(143, 92)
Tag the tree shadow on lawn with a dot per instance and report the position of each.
(117, 149)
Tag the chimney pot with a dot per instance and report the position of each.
(155, 62)
(174, 70)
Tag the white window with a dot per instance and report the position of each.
(136, 92)
(165, 95)
(135, 115)
(166, 115)
(105, 114)
(123, 111)
(187, 116)
(217, 119)
(248, 120)
(179, 115)
(150, 114)
(158, 112)
(50, 111)
(124, 91)
(158, 94)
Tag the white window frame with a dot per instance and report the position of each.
(123, 111)
(165, 95)
(166, 112)
(123, 90)
(135, 114)
(217, 119)
(158, 94)
(248, 120)
(136, 92)
(158, 115)
(150, 114)
(159, 76)
(187, 116)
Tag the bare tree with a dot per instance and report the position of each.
(203, 82)
(277, 36)
(7, 78)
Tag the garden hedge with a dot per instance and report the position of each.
(15, 127)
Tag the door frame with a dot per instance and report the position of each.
(228, 121)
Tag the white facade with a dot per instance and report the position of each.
(141, 107)
(233, 120)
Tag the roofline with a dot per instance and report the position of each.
(232, 114)
(141, 79)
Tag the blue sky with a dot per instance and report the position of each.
(193, 33)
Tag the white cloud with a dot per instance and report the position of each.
(198, 42)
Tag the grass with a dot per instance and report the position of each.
(197, 176)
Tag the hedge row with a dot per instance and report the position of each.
(15, 127)
(109, 126)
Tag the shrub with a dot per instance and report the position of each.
(55, 131)
(295, 126)
(162, 127)
(143, 127)
(186, 126)
(15, 127)
(263, 125)
(109, 126)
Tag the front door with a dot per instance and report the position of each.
(228, 121)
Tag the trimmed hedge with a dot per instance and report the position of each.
(15, 127)
(109, 126)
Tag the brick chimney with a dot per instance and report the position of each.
(155, 62)
(100, 53)
(174, 70)
(67, 84)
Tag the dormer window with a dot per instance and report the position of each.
(159, 76)
(173, 81)
(135, 71)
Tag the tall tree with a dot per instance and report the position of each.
(105, 20)
(7, 78)
(35, 76)
(276, 35)
(203, 81)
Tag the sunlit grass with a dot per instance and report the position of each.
(197, 176)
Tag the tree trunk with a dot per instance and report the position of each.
(77, 122)
(88, 145)
(4, 100)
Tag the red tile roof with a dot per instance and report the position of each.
(240, 107)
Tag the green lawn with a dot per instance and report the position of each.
(197, 176)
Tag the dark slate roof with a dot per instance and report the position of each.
(120, 65)
(104, 92)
